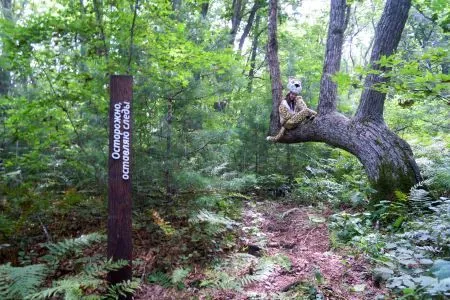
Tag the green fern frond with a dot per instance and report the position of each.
(212, 218)
(421, 184)
(71, 288)
(67, 247)
(101, 268)
(179, 274)
(122, 289)
(239, 196)
(263, 270)
(160, 278)
(19, 282)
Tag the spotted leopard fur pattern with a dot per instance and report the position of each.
(292, 113)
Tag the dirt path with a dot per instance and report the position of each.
(298, 236)
(302, 235)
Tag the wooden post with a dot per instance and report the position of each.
(119, 183)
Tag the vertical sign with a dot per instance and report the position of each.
(119, 180)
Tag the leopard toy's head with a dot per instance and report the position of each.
(294, 85)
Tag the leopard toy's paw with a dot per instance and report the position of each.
(277, 137)
(312, 116)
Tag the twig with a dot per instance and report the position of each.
(307, 235)
(44, 228)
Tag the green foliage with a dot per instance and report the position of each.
(175, 280)
(19, 282)
(228, 274)
(178, 276)
(68, 247)
(338, 179)
(71, 288)
(209, 227)
(88, 281)
(437, 10)
(122, 289)
(56, 58)
(410, 261)
(345, 226)
(160, 278)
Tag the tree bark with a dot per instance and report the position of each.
(387, 37)
(249, 25)
(387, 159)
(333, 52)
(168, 154)
(5, 77)
(235, 19)
(205, 8)
(255, 44)
(274, 67)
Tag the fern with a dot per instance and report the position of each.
(91, 279)
(18, 282)
(160, 278)
(178, 276)
(226, 276)
(122, 289)
(164, 225)
(263, 270)
(101, 268)
(72, 288)
(431, 249)
(167, 281)
(213, 218)
(59, 250)
(418, 197)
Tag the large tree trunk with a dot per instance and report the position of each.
(387, 159)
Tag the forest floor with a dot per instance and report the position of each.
(314, 271)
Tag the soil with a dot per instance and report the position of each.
(301, 234)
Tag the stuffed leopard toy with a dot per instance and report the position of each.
(292, 109)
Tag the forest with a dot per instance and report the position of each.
(351, 203)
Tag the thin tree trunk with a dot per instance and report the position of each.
(249, 25)
(388, 160)
(235, 19)
(98, 8)
(168, 164)
(251, 72)
(274, 67)
(205, 8)
(5, 77)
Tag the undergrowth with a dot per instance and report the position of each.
(85, 278)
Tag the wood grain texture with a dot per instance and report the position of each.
(119, 190)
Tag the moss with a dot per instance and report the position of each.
(390, 182)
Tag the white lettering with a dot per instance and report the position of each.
(121, 136)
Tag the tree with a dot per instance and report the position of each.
(387, 159)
